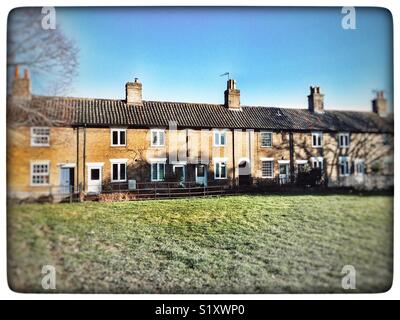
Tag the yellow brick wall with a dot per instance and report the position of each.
(138, 151)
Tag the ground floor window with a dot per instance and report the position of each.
(157, 171)
(317, 162)
(344, 166)
(359, 166)
(267, 169)
(220, 170)
(40, 173)
(118, 171)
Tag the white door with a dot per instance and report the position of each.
(283, 172)
(94, 179)
(201, 174)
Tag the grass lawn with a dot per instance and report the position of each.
(240, 244)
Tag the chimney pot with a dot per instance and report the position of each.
(16, 75)
(232, 95)
(21, 87)
(379, 104)
(315, 100)
(133, 92)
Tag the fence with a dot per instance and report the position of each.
(159, 190)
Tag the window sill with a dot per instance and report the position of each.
(40, 145)
(118, 145)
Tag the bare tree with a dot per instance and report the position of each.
(51, 58)
(47, 53)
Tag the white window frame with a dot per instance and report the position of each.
(119, 144)
(317, 134)
(158, 133)
(220, 161)
(219, 133)
(347, 160)
(119, 162)
(34, 135)
(356, 163)
(344, 135)
(303, 162)
(272, 168)
(261, 139)
(158, 162)
(40, 162)
(319, 161)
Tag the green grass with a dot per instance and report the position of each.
(241, 244)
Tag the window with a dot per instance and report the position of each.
(267, 169)
(219, 138)
(317, 162)
(118, 170)
(344, 140)
(40, 173)
(157, 171)
(220, 169)
(344, 166)
(118, 137)
(359, 166)
(388, 166)
(40, 137)
(316, 139)
(386, 139)
(301, 166)
(266, 139)
(157, 137)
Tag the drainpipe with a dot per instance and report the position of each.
(77, 159)
(84, 157)
(233, 157)
(291, 152)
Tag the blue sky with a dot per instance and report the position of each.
(273, 54)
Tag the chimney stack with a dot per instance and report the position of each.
(315, 100)
(133, 92)
(21, 87)
(379, 104)
(232, 95)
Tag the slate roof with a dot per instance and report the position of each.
(108, 112)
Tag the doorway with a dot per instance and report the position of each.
(201, 174)
(94, 179)
(67, 179)
(244, 173)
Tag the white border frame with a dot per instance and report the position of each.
(393, 293)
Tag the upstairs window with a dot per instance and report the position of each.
(219, 138)
(316, 139)
(344, 166)
(118, 137)
(157, 137)
(40, 173)
(266, 139)
(344, 140)
(40, 137)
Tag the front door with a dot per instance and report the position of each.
(66, 179)
(94, 179)
(179, 170)
(201, 174)
(283, 173)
